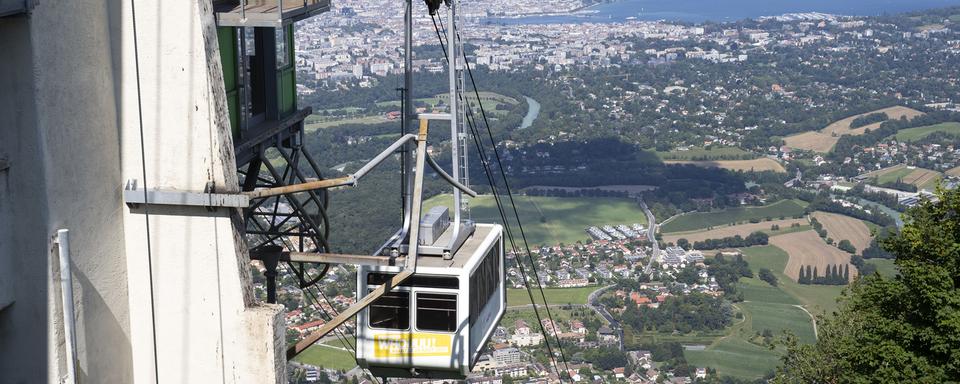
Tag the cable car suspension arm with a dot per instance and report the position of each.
(410, 264)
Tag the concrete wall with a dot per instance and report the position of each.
(71, 113)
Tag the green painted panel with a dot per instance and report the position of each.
(227, 39)
(287, 88)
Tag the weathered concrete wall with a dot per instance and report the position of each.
(70, 128)
(203, 299)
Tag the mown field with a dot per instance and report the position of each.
(755, 165)
(824, 139)
(555, 296)
(706, 220)
(841, 227)
(553, 220)
(807, 248)
(918, 133)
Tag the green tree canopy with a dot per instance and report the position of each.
(895, 330)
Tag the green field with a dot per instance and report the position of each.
(764, 308)
(717, 153)
(815, 298)
(491, 101)
(316, 122)
(703, 220)
(330, 354)
(556, 296)
(552, 220)
(886, 267)
(918, 133)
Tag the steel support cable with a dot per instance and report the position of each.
(485, 162)
(146, 201)
(506, 184)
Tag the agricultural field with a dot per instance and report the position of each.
(553, 220)
(707, 220)
(918, 133)
(955, 172)
(729, 231)
(555, 296)
(807, 248)
(920, 177)
(758, 165)
(841, 227)
(824, 139)
(701, 153)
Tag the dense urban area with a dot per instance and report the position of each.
(695, 195)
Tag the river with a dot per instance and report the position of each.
(533, 110)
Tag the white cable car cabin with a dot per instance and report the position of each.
(437, 322)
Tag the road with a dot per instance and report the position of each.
(602, 311)
(651, 235)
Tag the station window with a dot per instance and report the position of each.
(283, 54)
(436, 312)
(391, 311)
(484, 282)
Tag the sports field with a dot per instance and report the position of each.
(729, 231)
(553, 220)
(706, 220)
(841, 227)
(824, 139)
(757, 165)
(918, 133)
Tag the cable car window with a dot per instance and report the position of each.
(446, 282)
(484, 282)
(436, 312)
(391, 311)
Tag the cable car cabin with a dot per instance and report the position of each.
(436, 323)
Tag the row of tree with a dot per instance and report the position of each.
(756, 238)
(835, 275)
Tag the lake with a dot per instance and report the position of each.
(720, 10)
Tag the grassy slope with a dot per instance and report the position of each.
(886, 267)
(918, 133)
(565, 218)
(765, 307)
(700, 220)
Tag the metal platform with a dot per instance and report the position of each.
(266, 13)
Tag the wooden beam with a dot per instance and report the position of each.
(302, 187)
(302, 345)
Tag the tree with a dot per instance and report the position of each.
(767, 275)
(900, 329)
(847, 246)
